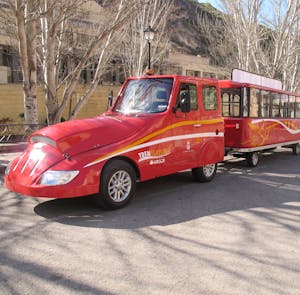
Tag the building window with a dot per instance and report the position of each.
(209, 75)
(193, 73)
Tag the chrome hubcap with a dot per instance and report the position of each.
(209, 170)
(119, 186)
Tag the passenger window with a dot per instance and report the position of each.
(225, 105)
(297, 107)
(291, 106)
(275, 98)
(210, 98)
(245, 110)
(254, 102)
(235, 106)
(284, 105)
(265, 104)
(231, 105)
(192, 90)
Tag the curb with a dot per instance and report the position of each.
(8, 152)
(5, 159)
(2, 168)
(12, 147)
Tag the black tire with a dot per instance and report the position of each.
(296, 149)
(252, 159)
(205, 173)
(117, 185)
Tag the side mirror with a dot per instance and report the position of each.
(110, 99)
(185, 102)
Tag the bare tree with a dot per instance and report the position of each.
(284, 62)
(26, 24)
(54, 17)
(263, 44)
(59, 41)
(133, 49)
(244, 30)
(62, 38)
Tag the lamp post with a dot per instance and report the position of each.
(149, 35)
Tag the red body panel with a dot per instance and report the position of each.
(245, 132)
(156, 144)
(250, 132)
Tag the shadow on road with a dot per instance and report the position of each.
(176, 198)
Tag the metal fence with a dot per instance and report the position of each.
(12, 133)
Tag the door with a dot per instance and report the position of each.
(186, 127)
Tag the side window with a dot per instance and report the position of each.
(265, 104)
(192, 90)
(235, 106)
(285, 105)
(231, 103)
(275, 97)
(297, 107)
(210, 98)
(225, 104)
(254, 103)
(291, 106)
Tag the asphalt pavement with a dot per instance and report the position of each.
(239, 234)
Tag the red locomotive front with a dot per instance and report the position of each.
(158, 125)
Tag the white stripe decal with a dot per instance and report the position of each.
(154, 157)
(292, 131)
(158, 141)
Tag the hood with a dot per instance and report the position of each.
(76, 136)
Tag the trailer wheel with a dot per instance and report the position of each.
(296, 149)
(205, 173)
(252, 159)
(117, 185)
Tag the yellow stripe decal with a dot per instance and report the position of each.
(156, 133)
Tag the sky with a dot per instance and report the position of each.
(212, 2)
(267, 6)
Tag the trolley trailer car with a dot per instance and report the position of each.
(259, 118)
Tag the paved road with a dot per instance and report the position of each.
(239, 234)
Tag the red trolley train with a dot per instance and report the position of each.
(258, 118)
(158, 125)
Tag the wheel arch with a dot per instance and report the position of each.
(127, 160)
(210, 153)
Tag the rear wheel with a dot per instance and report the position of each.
(252, 159)
(117, 185)
(205, 173)
(296, 149)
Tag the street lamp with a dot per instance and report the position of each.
(149, 35)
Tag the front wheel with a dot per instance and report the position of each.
(117, 185)
(205, 173)
(252, 159)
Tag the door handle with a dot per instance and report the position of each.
(197, 125)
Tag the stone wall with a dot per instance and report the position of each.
(11, 102)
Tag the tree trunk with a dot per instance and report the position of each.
(27, 48)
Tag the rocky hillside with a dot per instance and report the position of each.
(185, 28)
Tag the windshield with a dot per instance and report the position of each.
(145, 96)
